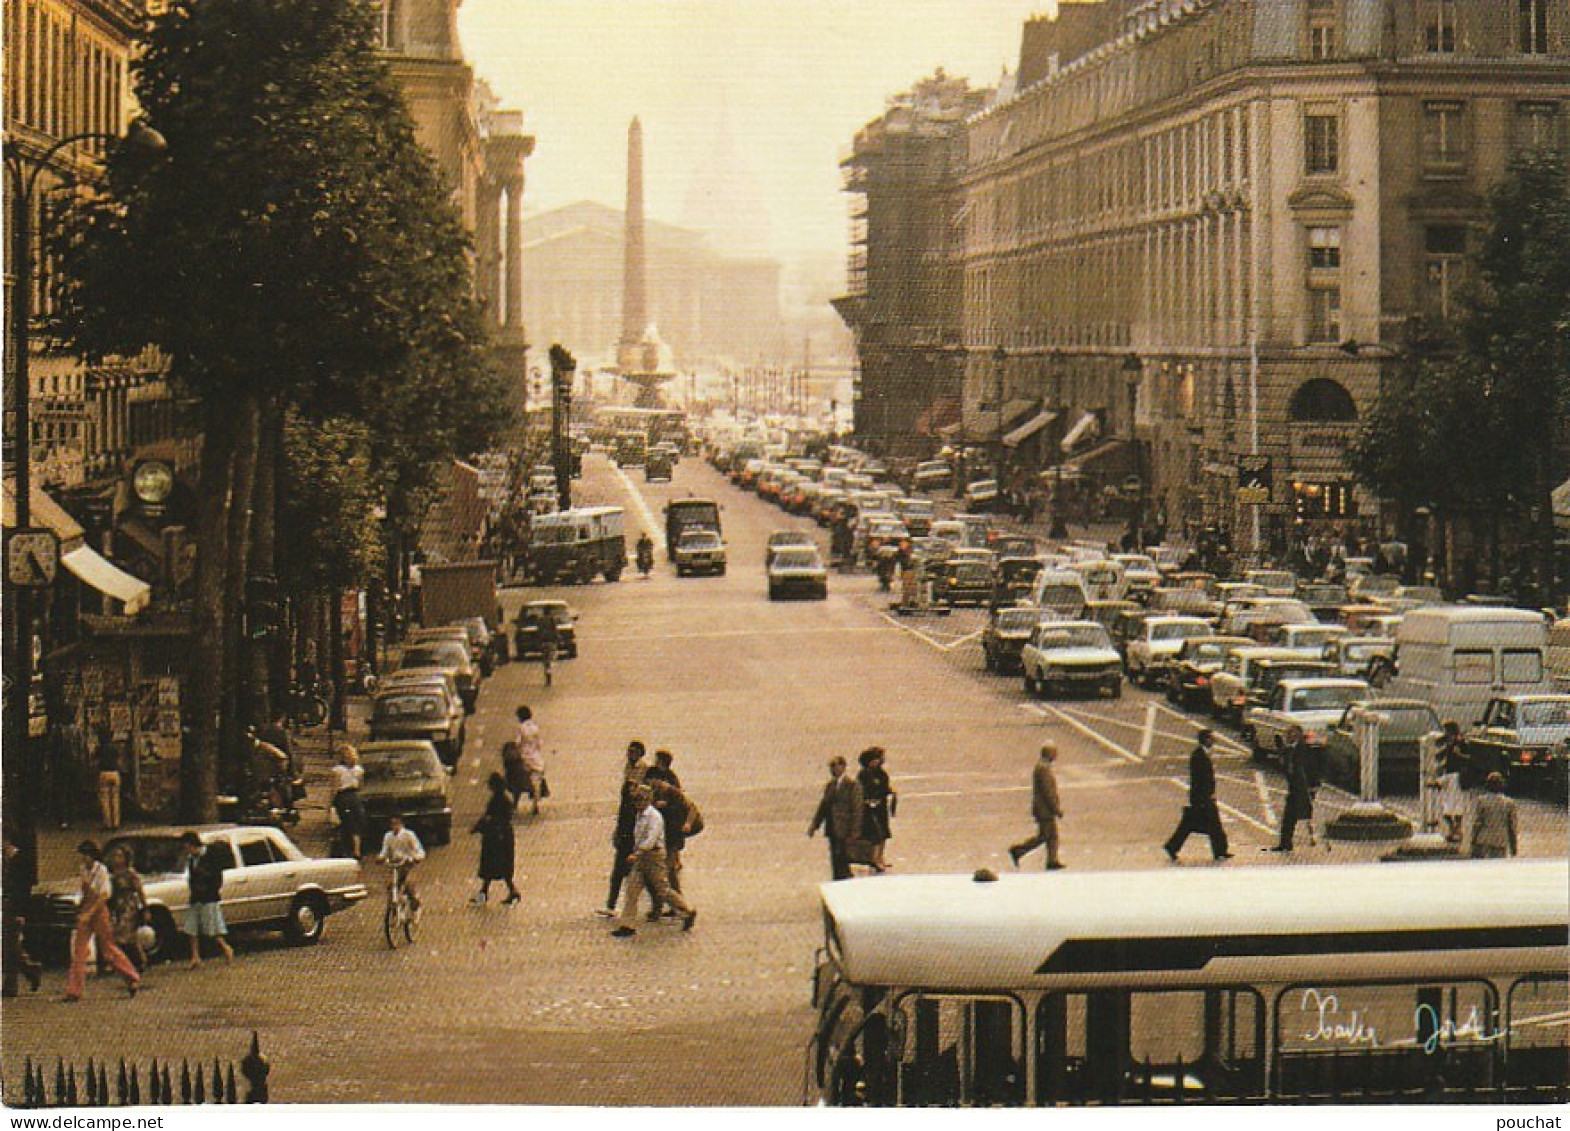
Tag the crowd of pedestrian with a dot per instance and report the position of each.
(654, 819)
(856, 813)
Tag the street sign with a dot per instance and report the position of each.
(1254, 480)
(32, 558)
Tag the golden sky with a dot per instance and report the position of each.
(790, 81)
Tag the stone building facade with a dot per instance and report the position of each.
(905, 279)
(1208, 226)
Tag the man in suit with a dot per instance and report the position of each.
(1201, 814)
(839, 816)
(1045, 808)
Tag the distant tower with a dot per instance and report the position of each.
(638, 352)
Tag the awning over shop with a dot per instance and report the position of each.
(44, 512)
(109, 579)
(1028, 429)
(1087, 427)
(938, 416)
(949, 431)
(1095, 455)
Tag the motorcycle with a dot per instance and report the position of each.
(270, 791)
(645, 557)
(888, 563)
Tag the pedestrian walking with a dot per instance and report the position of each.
(1045, 807)
(204, 918)
(878, 802)
(633, 772)
(1299, 804)
(110, 760)
(839, 816)
(1495, 826)
(15, 960)
(1201, 815)
(345, 778)
(127, 905)
(497, 856)
(646, 868)
(514, 772)
(1455, 773)
(531, 747)
(676, 810)
(93, 925)
(662, 769)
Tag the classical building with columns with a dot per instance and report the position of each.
(1203, 230)
(479, 146)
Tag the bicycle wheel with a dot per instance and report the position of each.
(393, 923)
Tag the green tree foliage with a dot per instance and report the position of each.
(294, 246)
(330, 505)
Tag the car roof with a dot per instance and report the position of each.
(1317, 682)
(380, 745)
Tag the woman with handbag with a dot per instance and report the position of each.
(127, 906)
(496, 843)
(878, 802)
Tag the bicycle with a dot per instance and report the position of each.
(305, 705)
(548, 660)
(401, 916)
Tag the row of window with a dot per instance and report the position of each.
(61, 78)
(1443, 276)
(1444, 32)
(1537, 125)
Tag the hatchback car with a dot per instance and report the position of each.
(406, 779)
(269, 884)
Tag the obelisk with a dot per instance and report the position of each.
(634, 286)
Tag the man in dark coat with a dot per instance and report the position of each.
(1201, 814)
(839, 816)
(1299, 804)
(633, 773)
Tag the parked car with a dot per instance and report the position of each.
(1071, 656)
(1312, 704)
(451, 656)
(1149, 654)
(269, 884)
(1524, 737)
(1229, 686)
(1200, 657)
(962, 581)
(1355, 655)
(699, 551)
(1324, 599)
(419, 711)
(406, 778)
(797, 569)
(526, 628)
(1402, 726)
(1008, 631)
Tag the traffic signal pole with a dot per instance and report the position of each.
(563, 366)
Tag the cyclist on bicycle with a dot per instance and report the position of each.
(402, 850)
(550, 643)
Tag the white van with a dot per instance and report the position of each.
(1457, 658)
(1061, 590)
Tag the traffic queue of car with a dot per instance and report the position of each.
(1266, 652)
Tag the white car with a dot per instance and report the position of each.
(1313, 704)
(797, 569)
(1140, 572)
(1160, 639)
(1071, 656)
(699, 550)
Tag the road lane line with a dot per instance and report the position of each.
(1092, 717)
(637, 500)
(1221, 739)
(1264, 796)
(1148, 734)
(806, 630)
(1122, 752)
(1222, 805)
(917, 633)
(969, 636)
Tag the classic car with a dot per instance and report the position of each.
(526, 628)
(1071, 656)
(1312, 704)
(1148, 654)
(269, 884)
(1004, 638)
(419, 711)
(1522, 737)
(1013, 580)
(1188, 676)
(407, 779)
(699, 551)
(792, 539)
(451, 656)
(1355, 655)
(959, 581)
(1402, 725)
(797, 569)
(1229, 686)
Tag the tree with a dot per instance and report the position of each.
(295, 245)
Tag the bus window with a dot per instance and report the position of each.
(1537, 1054)
(1112, 1046)
(1401, 1040)
(959, 1051)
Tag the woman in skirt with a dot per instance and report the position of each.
(878, 800)
(496, 843)
(127, 905)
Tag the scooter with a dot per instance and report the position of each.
(645, 558)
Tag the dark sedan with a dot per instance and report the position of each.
(406, 779)
(526, 629)
(1008, 631)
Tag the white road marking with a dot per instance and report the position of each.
(1091, 716)
(916, 632)
(1224, 807)
(637, 500)
(813, 630)
(1264, 796)
(1100, 739)
(1147, 736)
(1221, 739)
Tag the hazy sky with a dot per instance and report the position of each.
(793, 79)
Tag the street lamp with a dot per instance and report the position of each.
(1000, 358)
(1058, 527)
(23, 173)
(1133, 368)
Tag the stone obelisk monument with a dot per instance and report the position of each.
(637, 354)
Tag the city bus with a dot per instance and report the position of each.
(1409, 982)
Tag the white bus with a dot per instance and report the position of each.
(1413, 982)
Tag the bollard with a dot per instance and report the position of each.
(1370, 818)
(1428, 844)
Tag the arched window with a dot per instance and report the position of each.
(1322, 401)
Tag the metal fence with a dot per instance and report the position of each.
(154, 1083)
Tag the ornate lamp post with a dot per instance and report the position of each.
(1000, 358)
(23, 171)
(1133, 369)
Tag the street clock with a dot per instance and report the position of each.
(32, 558)
(152, 481)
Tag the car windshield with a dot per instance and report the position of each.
(1274, 579)
(1207, 653)
(1324, 698)
(972, 571)
(1016, 620)
(151, 855)
(1553, 714)
(433, 656)
(1324, 594)
(1078, 636)
(405, 763)
(702, 540)
(388, 707)
(538, 613)
(1179, 631)
(797, 559)
(1406, 722)
(794, 538)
